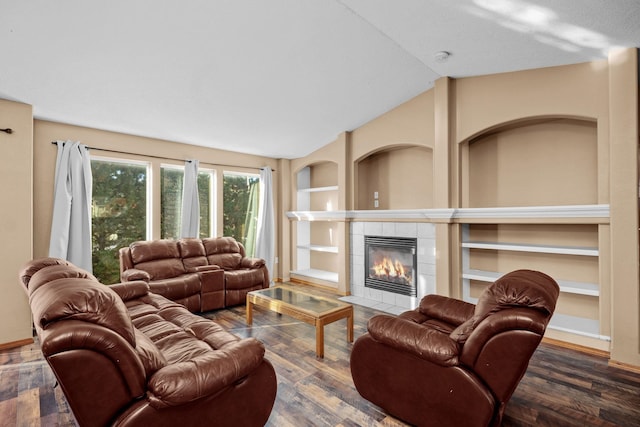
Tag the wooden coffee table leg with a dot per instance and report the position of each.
(350, 326)
(249, 312)
(319, 339)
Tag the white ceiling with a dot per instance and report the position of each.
(278, 78)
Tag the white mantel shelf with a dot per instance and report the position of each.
(597, 213)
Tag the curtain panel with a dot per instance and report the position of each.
(190, 201)
(71, 221)
(266, 233)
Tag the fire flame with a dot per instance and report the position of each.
(389, 268)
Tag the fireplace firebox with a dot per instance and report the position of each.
(390, 264)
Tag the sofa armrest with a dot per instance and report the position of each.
(252, 263)
(131, 290)
(201, 268)
(134, 274)
(205, 375)
(422, 341)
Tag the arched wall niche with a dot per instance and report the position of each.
(318, 174)
(400, 175)
(535, 161)
(325, 173)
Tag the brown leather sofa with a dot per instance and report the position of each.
(451, 363)
(201, 274)
(126, 357)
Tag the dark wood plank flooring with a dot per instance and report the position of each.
(562, 387)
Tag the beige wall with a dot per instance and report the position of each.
(16, 168)
(554, 162)
(553, 136)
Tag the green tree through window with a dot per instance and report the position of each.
(238, 208)
(119, 213)
(171, 182)
(205, 184)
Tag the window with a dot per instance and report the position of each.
(171, 184)
(118, 212)
(206, 185)
(240, 209)
(171, 181)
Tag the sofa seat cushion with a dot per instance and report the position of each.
(178, 334)
(177, 287)
(147, 304)
(151, 357)
(162, 268)
(242, 279)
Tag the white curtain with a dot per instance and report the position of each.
(71, 222)
(265, 238)
(190, 201)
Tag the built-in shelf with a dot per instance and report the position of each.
(566, 286)
(315, 194)
(320, 248)
(318, 189)
(577, 325)
(561, 322)
(571, 324)
(327, 276)
(317, 215)
(563, 250)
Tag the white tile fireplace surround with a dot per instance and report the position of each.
(426, 264)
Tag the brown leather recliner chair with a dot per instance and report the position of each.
(124, 356)
(452, 363)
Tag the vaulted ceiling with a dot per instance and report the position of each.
(278, 78)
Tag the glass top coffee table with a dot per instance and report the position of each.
(314, 310)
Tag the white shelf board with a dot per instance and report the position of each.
(564, 211)
(562, 250)
(317, 215)
(566, 286)
(570, 324)
(320, 248)
(328, 276)
(577, 325)
(318, 189)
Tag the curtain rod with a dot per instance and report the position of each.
(163, 158)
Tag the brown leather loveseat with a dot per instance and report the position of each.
(126, 357)
(451, 363)
(201, 274)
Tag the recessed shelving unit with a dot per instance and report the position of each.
(562, 250)
(316, 211)
(318, 189)
(538, 257)
(320, 248)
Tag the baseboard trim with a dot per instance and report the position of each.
(316, 285)
(624, 366)
(14, 344)
(577, 347)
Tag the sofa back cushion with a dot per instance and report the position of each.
(35, 265)
(55, 271)
(160, 258)
(225, 252)
(193, 253)
(518, 289)
(82, 299)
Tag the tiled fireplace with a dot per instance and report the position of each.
(424, 275)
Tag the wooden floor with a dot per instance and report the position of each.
(561, 387)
